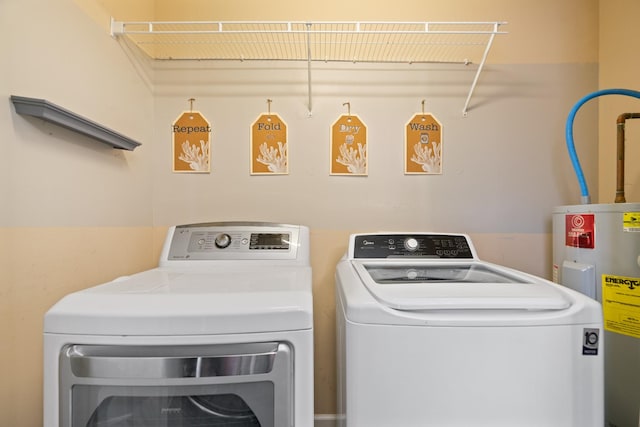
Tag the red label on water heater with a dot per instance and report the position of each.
(580, 230)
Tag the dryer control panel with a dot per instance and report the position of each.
(234, 241)
(415, 245)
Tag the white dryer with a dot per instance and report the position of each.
(429, 335)
(219, 334)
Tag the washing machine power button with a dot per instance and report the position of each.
(411, 244)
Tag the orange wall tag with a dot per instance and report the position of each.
(349, 146)
(191, 143)
(269, 148)
(423, 145)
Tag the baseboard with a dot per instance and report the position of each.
(325, 420)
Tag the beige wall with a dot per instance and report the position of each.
(74, 214)
(38, 266)
(619, 68)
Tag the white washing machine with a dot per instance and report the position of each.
(429, 335)
(219, 334)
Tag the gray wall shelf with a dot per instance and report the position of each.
(55, 114)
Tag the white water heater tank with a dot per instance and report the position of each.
(596, 251)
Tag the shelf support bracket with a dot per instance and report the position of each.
(479, 70)
(309, 100)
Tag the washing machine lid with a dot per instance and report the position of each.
(476, 285)
(193, 301)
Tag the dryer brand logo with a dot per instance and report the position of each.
(590, 341)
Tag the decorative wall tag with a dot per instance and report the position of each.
(191, 143)
(423, 145)
(349, 146)
(269, 150)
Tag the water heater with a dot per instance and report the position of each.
(596, 251)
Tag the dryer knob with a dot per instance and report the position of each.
(411, 244)
(223, 240)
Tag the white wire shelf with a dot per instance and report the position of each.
(371, 42)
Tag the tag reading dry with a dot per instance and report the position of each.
(191, 143)
(349, 146)
(269, 149)
(423, 145)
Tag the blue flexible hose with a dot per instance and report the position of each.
(584, 190)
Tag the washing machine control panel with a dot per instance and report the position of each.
(439, 246)
(233, 241)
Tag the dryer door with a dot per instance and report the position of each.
(244, 385)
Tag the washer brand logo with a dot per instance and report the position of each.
(630, 283)
(590, 341)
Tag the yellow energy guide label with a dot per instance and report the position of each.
(631, 221)
(621, 304)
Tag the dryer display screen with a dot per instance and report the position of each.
(269, 241)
